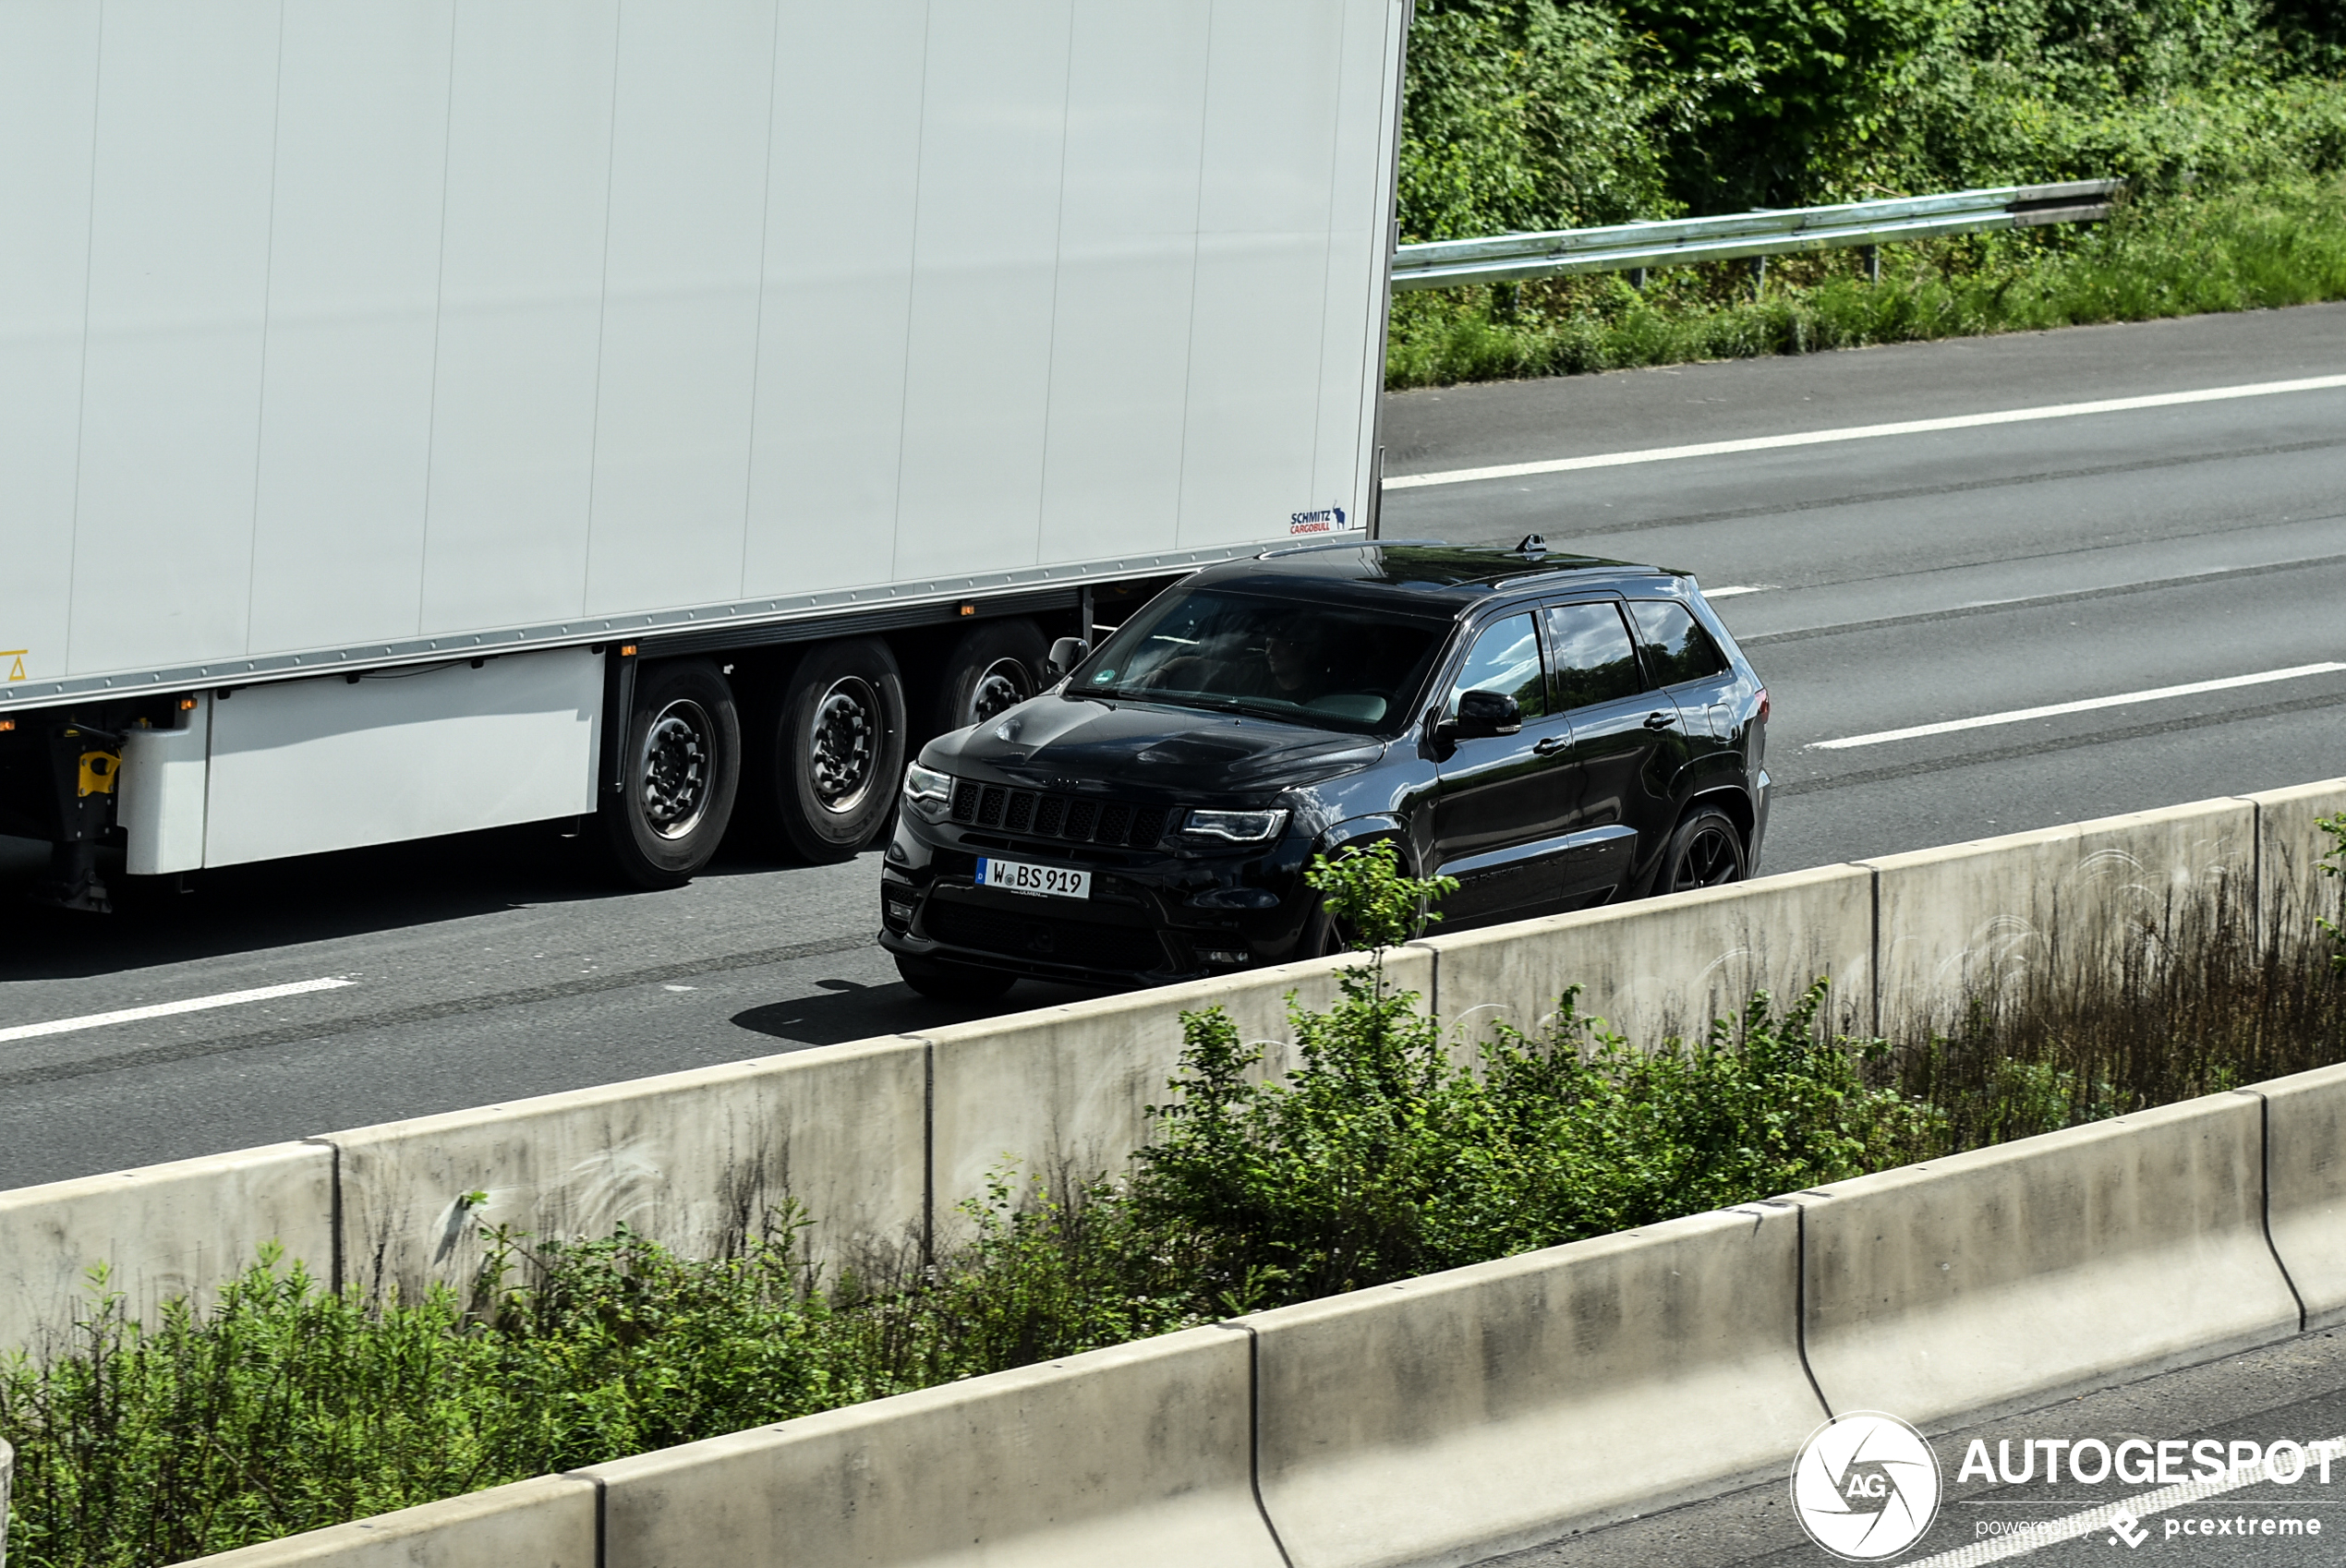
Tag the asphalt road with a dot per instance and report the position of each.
(2294, 1390)
(1897, 581)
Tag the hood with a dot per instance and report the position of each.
(1057, 742)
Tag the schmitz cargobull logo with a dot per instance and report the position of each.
(1865, 1486)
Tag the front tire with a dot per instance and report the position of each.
(679, 767)
(1707, 850)
(944, 981)
(831, 754)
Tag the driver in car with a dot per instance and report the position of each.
(1296, 666)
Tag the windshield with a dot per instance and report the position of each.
(1334, 667)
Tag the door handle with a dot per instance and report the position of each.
(1658, 720)
(1549, 745)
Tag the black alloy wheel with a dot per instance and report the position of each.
(992, 667)
(1706, 851)
(679, 767)
(832, 754)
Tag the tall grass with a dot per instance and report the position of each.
(287, 1406)
(2277, 244)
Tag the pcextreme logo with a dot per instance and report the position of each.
(1865, 1486)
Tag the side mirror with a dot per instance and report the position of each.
(1485, 713)
(1066, 654)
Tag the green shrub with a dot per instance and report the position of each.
(1388, 1150)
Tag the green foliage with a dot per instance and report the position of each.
(2226, 118)
(1387, 1150)
(1381, 1156)
(1529, 115)
(2333, 865)
(2278, 244)
(1373, 905)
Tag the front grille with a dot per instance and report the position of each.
(1044, 938)
(1031, 814)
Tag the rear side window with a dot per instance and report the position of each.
(1505, 659)
(1676, 645)
(1594, 662)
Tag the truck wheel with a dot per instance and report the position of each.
(952, 982)
(679, 770)
(833, 755)
(1706, 851)
(993, 667)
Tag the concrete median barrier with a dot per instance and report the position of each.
(1136, 1455)
(1064, 1091)
(2289, 850)
(2010, 1276)
(1652, 969)
(160, 1231)
(2305, 1186)
(694, 1160)
(1447, 1419)
(546, 1523)
(1976, 923)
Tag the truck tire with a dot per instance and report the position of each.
(1707, 850)
(831, 753)
(996, 665)
(679, 767)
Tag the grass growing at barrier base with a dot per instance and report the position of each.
(2278, 243)
(286, 1407)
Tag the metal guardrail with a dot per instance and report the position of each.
(1623, 248)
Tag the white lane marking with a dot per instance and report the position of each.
(1863, 432)
(1732, 593)
(2053, 1532)
(165, 1009)
(2053, 710)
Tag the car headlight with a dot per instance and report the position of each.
(1234, 826)
(929, 794)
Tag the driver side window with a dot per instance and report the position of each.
(1506, 657)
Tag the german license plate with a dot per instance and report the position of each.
(1024, 876)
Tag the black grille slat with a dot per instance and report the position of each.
(1034, 814)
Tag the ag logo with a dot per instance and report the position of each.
(1865, 1486)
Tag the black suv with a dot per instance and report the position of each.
(1554, 732)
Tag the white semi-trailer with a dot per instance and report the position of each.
(420, 415)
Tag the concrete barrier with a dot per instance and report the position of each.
(2289, 848)
(161, 1231)
(546, 1523)
(2305, 1186)
(691, 1158)
(1135, 1455)
(1064, 1091)
(1973, 922)
(2010, 1276)
(1669, 967)
(1464, 1414)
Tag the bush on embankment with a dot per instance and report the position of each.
(2226, 118)
(288, 1407)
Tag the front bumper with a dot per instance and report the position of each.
(1153, 916)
